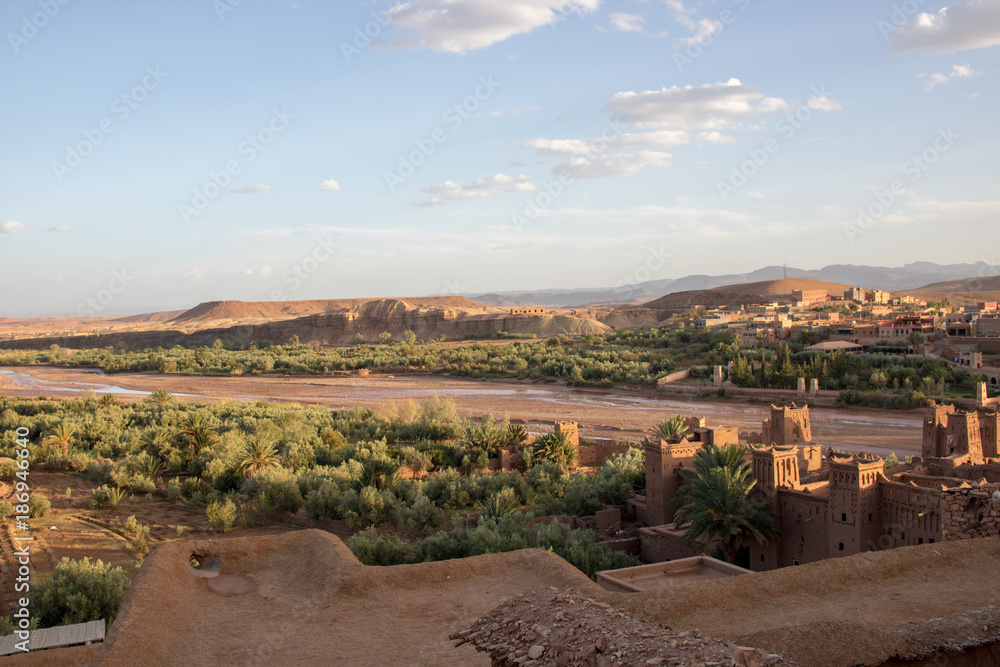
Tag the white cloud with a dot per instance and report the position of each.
(12, 227)
(703, 31)
(266, 270)
(329, 185)
(957, 72)
(58, 229)
(823, 103)
(710, 106)
(658, 139)
(968, 24)
(251, 189)
(608, 166)
(458, 26)
(488, 186)
(628, 22)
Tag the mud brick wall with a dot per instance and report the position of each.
(970, 512)
(595, 455)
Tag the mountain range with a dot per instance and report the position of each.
(912, 276)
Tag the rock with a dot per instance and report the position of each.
(747, 657)
(536, 651)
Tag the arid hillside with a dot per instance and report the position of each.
(960, 292)
(334, 322)
(743, 294)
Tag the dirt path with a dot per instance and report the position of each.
(602, 413)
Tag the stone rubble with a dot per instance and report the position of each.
(561, 628)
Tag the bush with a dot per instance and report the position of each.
(323, 502)
(8, 471)
(105, 497)
(378, 550)
(38, 505)
(174, 489)
(6, 509)
(80, 591)
(221, 515)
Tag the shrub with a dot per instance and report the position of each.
(8, 471)
(80, 591)
(378, 550)
(6, 509)
(174, 489)
(323, 502)
(221, 515)
(422, 515)
(38, 505)
(105, 497)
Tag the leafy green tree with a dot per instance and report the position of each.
(385, 338)
(719, 503)
(80, 591)
(741, 374)
(410, 338)
(673, 429)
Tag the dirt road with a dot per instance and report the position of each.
(618, 413)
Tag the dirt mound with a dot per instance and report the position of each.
(315, 604)
(286, 310)
(744, 293)
(555, 628)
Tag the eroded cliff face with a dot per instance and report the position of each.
(339, 327)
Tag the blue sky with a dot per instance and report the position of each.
(173, 153)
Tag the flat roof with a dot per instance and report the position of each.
(657, 576)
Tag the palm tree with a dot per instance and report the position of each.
(160, 398)
(257, 455)
(719, 502)
(916, 340)
(199, 434)
(379, 473)
(556, 447)
(516, 435)
(107, 401)
(484, 438)
(61, 435)
(672, 429)
(497, 506)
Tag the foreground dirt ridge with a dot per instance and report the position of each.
(305, 597)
